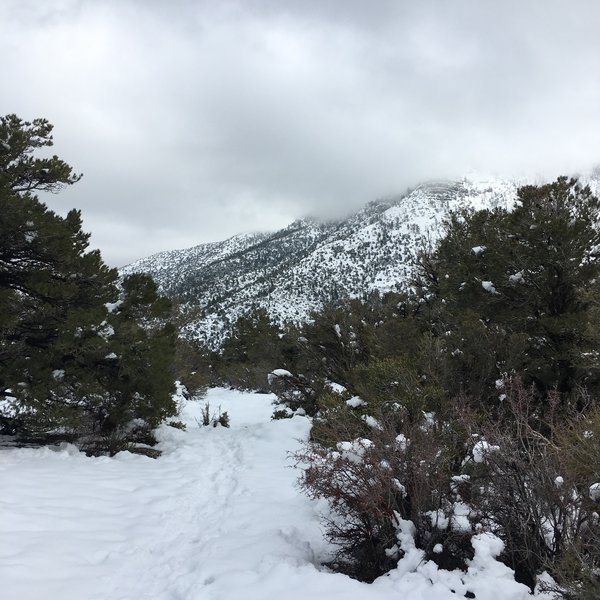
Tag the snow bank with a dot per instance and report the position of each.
(217, 517)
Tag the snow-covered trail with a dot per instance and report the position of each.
(216, 517)
(210, 519)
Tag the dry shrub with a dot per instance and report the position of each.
(578, 568)
(532, 489)
(523, 474)
(371, 481)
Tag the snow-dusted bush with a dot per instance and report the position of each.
(370, 482)
(296, 392)
(397, 381)
(531, 480)
(530, 484)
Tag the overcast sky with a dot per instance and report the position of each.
(196, 120)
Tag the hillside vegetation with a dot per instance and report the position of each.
(451, 386)
(297, 270)
(467, 404)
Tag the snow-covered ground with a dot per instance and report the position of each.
(216, 517)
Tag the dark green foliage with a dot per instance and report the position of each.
(498, 345)
(253, 337)
(396, 382)
(336, 420)
(343, 338)
(281, 414)
(339, 338)
(514, 289)
(195, 366)
(52, 296)
(21, 172)
(78, 351)
(255, 347)
(140, 376)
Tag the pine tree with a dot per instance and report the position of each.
(254, 348)
(72, 355)
(513, 289)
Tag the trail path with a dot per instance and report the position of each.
(216, 517)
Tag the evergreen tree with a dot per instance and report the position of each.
(513, 289)
(254, 348)
(19, 170)
(77, 350)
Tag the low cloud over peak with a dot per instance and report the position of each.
(193, 121)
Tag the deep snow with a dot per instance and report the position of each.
(216, 517)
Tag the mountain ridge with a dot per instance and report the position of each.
(297, 269)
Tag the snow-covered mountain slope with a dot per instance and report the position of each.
(217, 517)
(295, 270)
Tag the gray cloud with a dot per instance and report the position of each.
(193, 121)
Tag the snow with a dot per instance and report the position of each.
(107, 330)
(482, 449)
(113, 306)
(58, 373)
(488, 286)
(277, 374)
(402, 441)
(460, 519)
(488, 574)
(595, 492)
(217, 517)
(355, 450)
(281, 373)
(516, 277)
(337, 388)
(355, 402)
(371, 422)
(399, 486)
(477, 250)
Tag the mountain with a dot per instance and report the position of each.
(295, 270)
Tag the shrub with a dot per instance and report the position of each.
(254, 348)
(297, 392)
(534, 490)
(281, 413)
(396, 381)
(193, 366)
(212, 419)
(401, 470)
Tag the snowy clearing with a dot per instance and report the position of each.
(217, 517)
